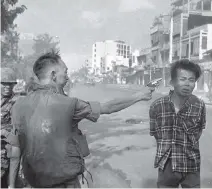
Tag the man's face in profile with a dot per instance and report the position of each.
(61, 74)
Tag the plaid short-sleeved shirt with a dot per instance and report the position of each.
(177, 134)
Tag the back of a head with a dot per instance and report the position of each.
(44, 62)
(185, 64)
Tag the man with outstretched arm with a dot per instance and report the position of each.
(45, 121)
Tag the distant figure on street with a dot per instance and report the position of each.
(177, 121)
(46, 122)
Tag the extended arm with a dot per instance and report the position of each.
(92, 110)
(119, 104)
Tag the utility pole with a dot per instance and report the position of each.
(171, 39)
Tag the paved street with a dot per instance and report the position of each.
(122, 154)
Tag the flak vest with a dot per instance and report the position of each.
(51, 155)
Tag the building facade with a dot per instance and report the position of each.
(191, 34)
(159, 33)
(107, 53)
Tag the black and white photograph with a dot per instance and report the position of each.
(106, 93)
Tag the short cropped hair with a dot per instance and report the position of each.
(44, 61)
(185, 64)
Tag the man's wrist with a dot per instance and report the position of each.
(138, 97)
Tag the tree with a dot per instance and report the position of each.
(44, 43)
(9, 35)
(8, 15)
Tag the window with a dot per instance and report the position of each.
(204, 42)
(133, 59)
(187, 50)
(94, 55)
(192, 47)
(184, 46)
(207, 5)
(196, 46)
(94, 60)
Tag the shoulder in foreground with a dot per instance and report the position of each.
(160, 100)
(17, 98)
(196, 100)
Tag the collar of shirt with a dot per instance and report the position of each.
(36, 87)
(190, 100)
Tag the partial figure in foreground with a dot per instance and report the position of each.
(177, 121)
(46, 122)
(8, 98)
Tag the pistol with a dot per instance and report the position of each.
(154, 83)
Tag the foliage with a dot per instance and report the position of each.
(43, 43)
(82, 73)
(8, 14)
(9, 36)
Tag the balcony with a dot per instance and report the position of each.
(165, 46)
(178, 2)
(155, 29)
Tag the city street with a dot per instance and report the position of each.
(122, 154)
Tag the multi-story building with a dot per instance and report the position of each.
(160, 40)
(144, 56)
(107, 53)
(191, 33)
(134, 58)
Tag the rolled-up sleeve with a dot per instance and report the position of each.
(87, 110)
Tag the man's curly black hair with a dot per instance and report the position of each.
(185, 64)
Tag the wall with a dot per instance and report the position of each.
(209, 36)
(110, 48)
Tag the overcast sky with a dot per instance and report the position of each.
(80, 23)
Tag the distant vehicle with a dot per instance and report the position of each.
(90, 82)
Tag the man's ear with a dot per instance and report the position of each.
(53, 75)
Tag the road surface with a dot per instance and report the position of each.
(122, 154)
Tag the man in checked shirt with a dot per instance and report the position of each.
(176, 122)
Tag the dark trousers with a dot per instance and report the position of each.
(4, 180)
(74, 183)
(169, 179)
